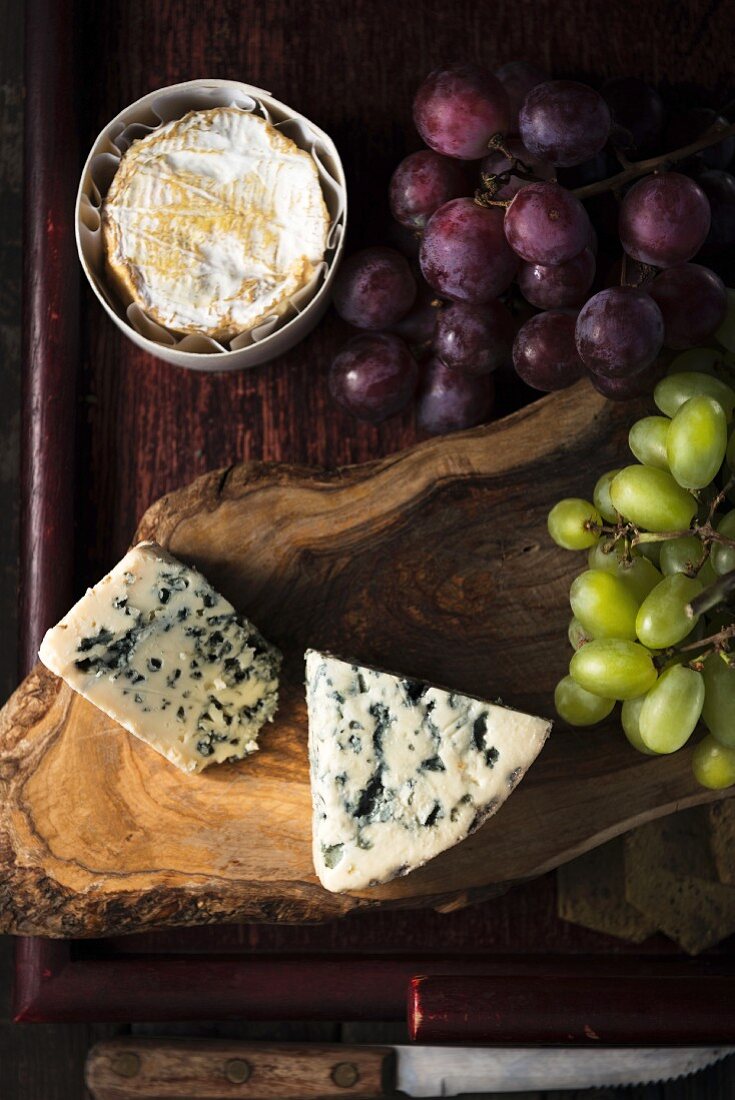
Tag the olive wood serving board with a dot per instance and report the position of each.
(434, 562)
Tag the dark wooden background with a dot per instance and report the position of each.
(143, 428)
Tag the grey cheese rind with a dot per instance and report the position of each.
(401, 770)
(156, 648)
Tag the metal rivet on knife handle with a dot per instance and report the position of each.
(238, 1071)
(126, 1064)
(345, 1075)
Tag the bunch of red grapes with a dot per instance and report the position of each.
(507, 272)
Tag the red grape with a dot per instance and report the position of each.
(719, 187)
(637, 108)
(422, 183)
(620, 331)
(417, 327)
(693, 303)
(495, 163)
(564, 122)
(545, 224)
(450, 400)
(374, 376)
(544, 352)
(374, 288)
(458, 109)
(636, 385)
(664, 220)
(474, 339)
(464, 253)
(687, 127)
(554, 286)
(518, 77)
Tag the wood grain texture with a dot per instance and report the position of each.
(154, 1069)
(436, 563)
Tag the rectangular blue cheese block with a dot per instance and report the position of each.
(401, 770)
(155, 647)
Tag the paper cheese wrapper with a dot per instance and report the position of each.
(275, 335)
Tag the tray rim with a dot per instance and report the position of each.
(51, 984)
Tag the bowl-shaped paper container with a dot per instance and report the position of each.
(274, 335)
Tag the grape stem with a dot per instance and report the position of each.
(716, 594)
(643, 167)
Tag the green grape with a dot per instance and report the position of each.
(613, 668)
(679, 555)
(701, 360)
(639, 575)
(630, 720)
(725, 334)
(662, 619)
(671, 709)
(567, 523)
(650, 550)
(696, 442)
(579, 707)
(577, 634)
(601, 496)
(723, 557)
(647, 441)
(651, 498)
(673, 390)
(604, 605)
(719, 700)
(713, 764)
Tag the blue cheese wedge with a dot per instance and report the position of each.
(158, 649)
(401, 770)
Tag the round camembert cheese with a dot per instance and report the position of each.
(213, 222)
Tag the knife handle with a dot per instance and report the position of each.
(572, 1008)
(174, 1069)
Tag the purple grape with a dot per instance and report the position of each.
(495, 163)
(693, 303)
(518, 77)
(555, 286)
(600, 167)
(664, 220)
(564, 122)
(474, 339)
(620, 331)
(422, 183)
(464, 253)
(691, 125)
(374, 288)
(544, 352)
(637, 385)
(637, 108)
(417, 327)
(374, 376)
(545, 224)
(719, 187)
(458, 109)
(450, 400)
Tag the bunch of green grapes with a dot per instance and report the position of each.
(659, 534)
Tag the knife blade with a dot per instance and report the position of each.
(447, 1071)
(218, 1068)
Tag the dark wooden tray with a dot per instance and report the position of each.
(107, 430)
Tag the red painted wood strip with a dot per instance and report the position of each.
(54, 984)
(50, 323)
(573, 1008)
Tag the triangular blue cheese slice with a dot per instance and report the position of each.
(401, 770)
(158, 649)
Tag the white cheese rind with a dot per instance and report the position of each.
(161, 652)
(401, 771)
(213, 222)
